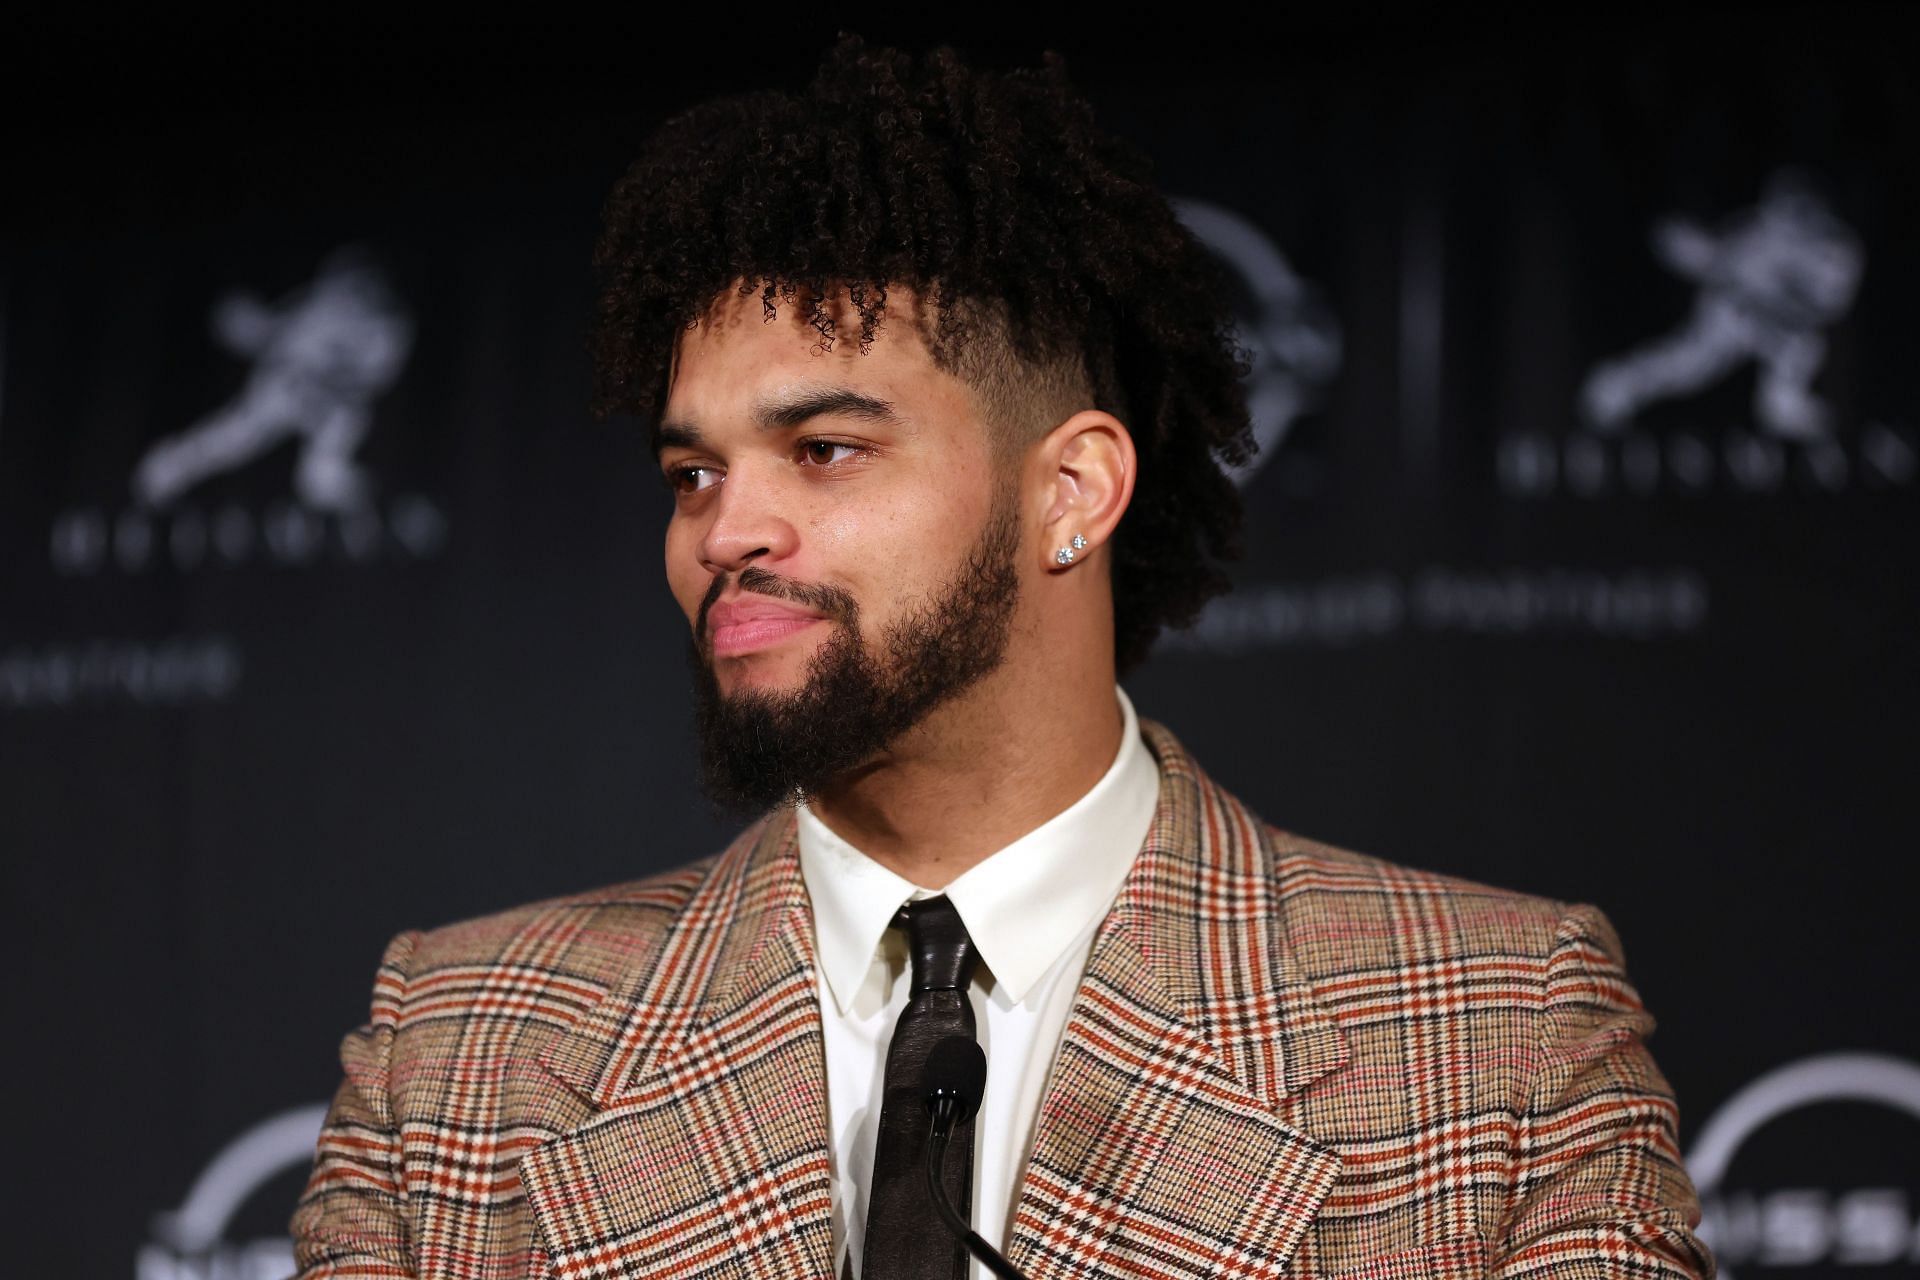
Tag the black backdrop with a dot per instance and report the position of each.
(1580, 559)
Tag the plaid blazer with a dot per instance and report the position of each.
(1284, 1060)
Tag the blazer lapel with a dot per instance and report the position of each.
(705, 1152)
(1162, 1146)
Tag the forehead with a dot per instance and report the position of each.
(736, 352)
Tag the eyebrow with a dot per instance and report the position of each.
(785, 411)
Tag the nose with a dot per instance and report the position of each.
(745, 526)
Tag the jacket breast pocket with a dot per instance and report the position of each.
(1457, 1258)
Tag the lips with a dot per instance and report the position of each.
(754, 622)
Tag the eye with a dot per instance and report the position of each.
(690, 478)
(821, 452)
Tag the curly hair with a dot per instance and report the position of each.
(1037, 242)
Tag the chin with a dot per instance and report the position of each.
(761, 672)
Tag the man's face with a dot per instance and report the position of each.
(843, 544)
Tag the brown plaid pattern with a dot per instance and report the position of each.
(1285, 1060)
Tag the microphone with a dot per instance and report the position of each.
(956, 1076)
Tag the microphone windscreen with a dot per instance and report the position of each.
(956, 1068)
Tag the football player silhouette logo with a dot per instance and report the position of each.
(1770, 280)
(321, 356)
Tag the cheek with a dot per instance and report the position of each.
(918, 517)
(898, 558)
(841, 531)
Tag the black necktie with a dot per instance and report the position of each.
(905, 1238)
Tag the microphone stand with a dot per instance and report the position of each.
(944, 1112)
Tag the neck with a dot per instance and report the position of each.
(979, 772)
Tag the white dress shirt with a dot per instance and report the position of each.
(1032, 909)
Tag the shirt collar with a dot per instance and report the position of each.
(1024, 905)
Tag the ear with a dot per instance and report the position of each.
(1089, 469)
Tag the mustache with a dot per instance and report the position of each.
(834, 602)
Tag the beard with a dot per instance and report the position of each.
(758, 749)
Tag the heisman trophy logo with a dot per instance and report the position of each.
(320, 357)
(1769, 283)
(1770, 280)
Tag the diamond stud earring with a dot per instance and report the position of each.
(1065, 554)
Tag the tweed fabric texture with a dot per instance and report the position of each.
(1284, 1060)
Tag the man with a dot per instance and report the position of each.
(943, 394)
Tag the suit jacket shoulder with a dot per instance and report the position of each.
(517, 983)
(595, 936)
(1407, 913)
